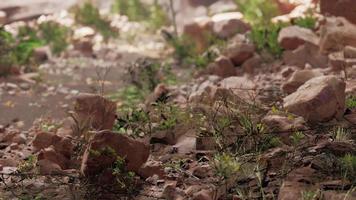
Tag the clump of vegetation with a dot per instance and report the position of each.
(348, 167)
(27, 165)
(8, 57)
(297, 137)
(308, 22)
(135, 10)
(226, 165)
(135, 122)
(351, 102)
(89, 15)
(125, 179)
(55, 35)
(258, 12)
(266, 38)
(341, 134)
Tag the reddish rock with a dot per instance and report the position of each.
(342, 8)
(350, 52)
(96, 110)
(51, 155)
(3, 17)
(336, 33)
(253, 63)
(238, 52)
(298, 78)
(199, 31)
(151, 168)
(222, 67)
(41, 54)
(48, 167)
(305, 54)
(226, 25)
(203, 195)
(319, 99)
(84, 45)
(45, 139)
(106, 146)
(292, 37)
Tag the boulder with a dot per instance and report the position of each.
(104, 148)
(84, 46)
(51, 155)
(222, 67)
(336, 33)
(342, 8)
(350, 52)
(3, 17)
(96, 111)
(45, 139)
(292, 37)
(199, 31)
(305, 54)
(298, 78)
(238, 50)
(319, 99)
(226, 25)
(253, 63)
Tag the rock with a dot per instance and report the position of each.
(19, 139)
(202, 171)
(292, 37)
(305, 54)
(104, 148)
(94, 109)
(169, 136)
(51, 155)
(3, 17)
(337, 33)
(47, 167)
(8, 162)
(239, 51)
(343, 8)
(350, 52)
(203, 195)
(205, 91)
(241, 87)
(151, 168)
(222, 67)
(44, 139)
(171, 192)
(319, 99)
(41, 54)
(199, 31)
(226, 25)
(251, 64)
(298, 78)
(84, 46)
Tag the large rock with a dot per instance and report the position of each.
(292, 37)
(226, 25)
(199, 31)
(104, 148)
(337, 33)
(319, 99)
(99, 112)
(222, 67)
(3, 17)
(343, 8)
(305, 54)
(298, 78)
(239, 50)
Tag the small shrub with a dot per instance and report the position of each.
(130, 96)
(341, 134)
(226, 165)
(297, 137)
(7, 56)
(89, 15)
(351, 102)
(266, 38)
(348, 167)
(55, 35)
(258, 12)
(135, 123)
(308, 22)
(124, 178)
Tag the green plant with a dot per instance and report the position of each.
(226, 165)
(55, 35)
(341, 134)
(351, 102)
(266, 38)
(310, 195)
(7, 56)
(258, 12)
(135, 122)
(129, 96)
(89, 15)
(308, 22)
(28, 164)
(158, 16)
(348, 167)
(297, 137)
(124, 178)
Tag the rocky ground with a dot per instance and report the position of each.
(259, 110)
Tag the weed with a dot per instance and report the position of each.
(258, 12)
(135, 123)
(129, 97)
(226, 165)
(266, 38)
(340, 134)
(297, 137)
(7, 56)
(125, 179)
(28, 165)
(310, 195)
(308, 22)
(351, 102)
(89, 15)
(55, 35)
(348, 167)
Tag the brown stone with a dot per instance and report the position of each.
(222, 67)
(342, 8)
(292, 37)
(226, 25)
(104, 148)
